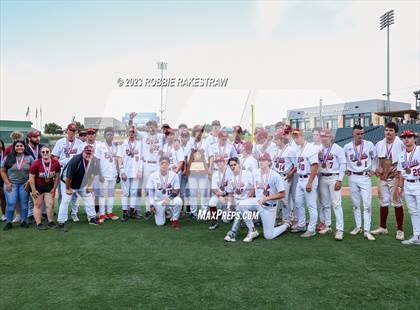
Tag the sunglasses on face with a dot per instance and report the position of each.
(72, 130)
(45, 152)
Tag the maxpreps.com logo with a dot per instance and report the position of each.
(205, 215)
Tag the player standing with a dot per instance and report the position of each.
(361, 166)
(248, 161)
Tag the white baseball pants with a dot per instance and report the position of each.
(329, 196)
(198, 183)
(303, 196)
(74, 203)
(106, 198)
(88, 202)
(361, 191)
(129, 198)
(412, 198)
(175, 209)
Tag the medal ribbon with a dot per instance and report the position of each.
(46, 170)
(69, 147)
(407, 163)
(388, 152)
(356, 154)
(240, 179)
(34, 152)
(131, 147)
(325, 156)
(19, 162)
(221, 181)
(267, 179)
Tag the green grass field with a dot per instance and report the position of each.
(137, 265)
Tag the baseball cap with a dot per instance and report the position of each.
(247, 145)
(219, 158)
(91, 131)
(182, 125)
(88, 149)
(408, 133)
(265, 156)
(33, 133)
(166, 126)
(237, 129)
(279, 134)
(71, 127)
(215, 123)
(326, 132)
(262, 134)
(287, 129)
(197, 128)
(82, 132)
(222, 134)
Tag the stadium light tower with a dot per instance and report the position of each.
(161, 66)
(387, 20)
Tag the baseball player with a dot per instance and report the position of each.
(284, 163)
(223, 148)
(183, 178)
(269, 187)
(198, 171)
(388, 151)
(213, 137)
(163, 187)
(78, 177)
(331, 172)
(130, 163)
(107, 154)
(173, 151)
(361, 166)
(219, 189)
(241, 187)
(306, 190)
(409, 182)
(248, 161)
(237, 139)
(64, 149)
(263, 144)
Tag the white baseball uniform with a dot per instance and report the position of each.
(409, 166)
(175, 155)
(266, 147)
(283, 161)
(360, 160)
(249, 163)
(107, 155)
(307, 155)
(161, 187)
(265, 184)
(219, 181)
(332, 166)
(387, 187)
(227, 151)
(131, 154)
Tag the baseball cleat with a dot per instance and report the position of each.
(112, 216)
(102, 218)
(325, 230)
(400, 235)
(251, 236)
(175, 224)
(31, 220)
(148, 215)
(213, 226)
(369, 236)
(356, 231)
(414, 240)
(320, 226)
(296, 229)
(94, 221)
(339, 235)
(379, 231)
(75, 218)
(308, 234)
(62, 227)
(8, 226)
(193, 216)
(230, 237)
(125, 217)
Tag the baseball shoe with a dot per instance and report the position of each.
(16, 219)
(380, 231)
(30, 220)
(75, 218)
(175, 224)
(52, 225)
(3, 218)
(400, 235)
(251, 236)
(125, 217)
(308, 234)
(193, 216)
(24, 224)
(213, 226)
(230, 237)
(414, 240)
(94, 221)
(356, 231)
(112, 216)
(325, 230)
(102, 218)
(41, 226)
(8, 226)
(339, 235)
(296, 229)
(148, 215)
(62, 227)
(320, 227)
(369, 236)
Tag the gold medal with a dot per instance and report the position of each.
(407, 170)
(324, 165)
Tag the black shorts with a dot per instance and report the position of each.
(44, 188)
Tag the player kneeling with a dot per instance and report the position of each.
(269, 187)
(241, 186)
(163, 188)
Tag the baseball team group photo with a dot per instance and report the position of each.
(266, 157)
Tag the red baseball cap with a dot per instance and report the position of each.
(71, 127)
(265, 156)
(247, 145)
(237, 129)
(408, 133)
(287, 129)
(33, 133)
(326, 132)
(88, 149)
(279, 134)
(91, 131)
(222, 134)
(219, 158)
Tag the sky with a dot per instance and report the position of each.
(67, 56)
